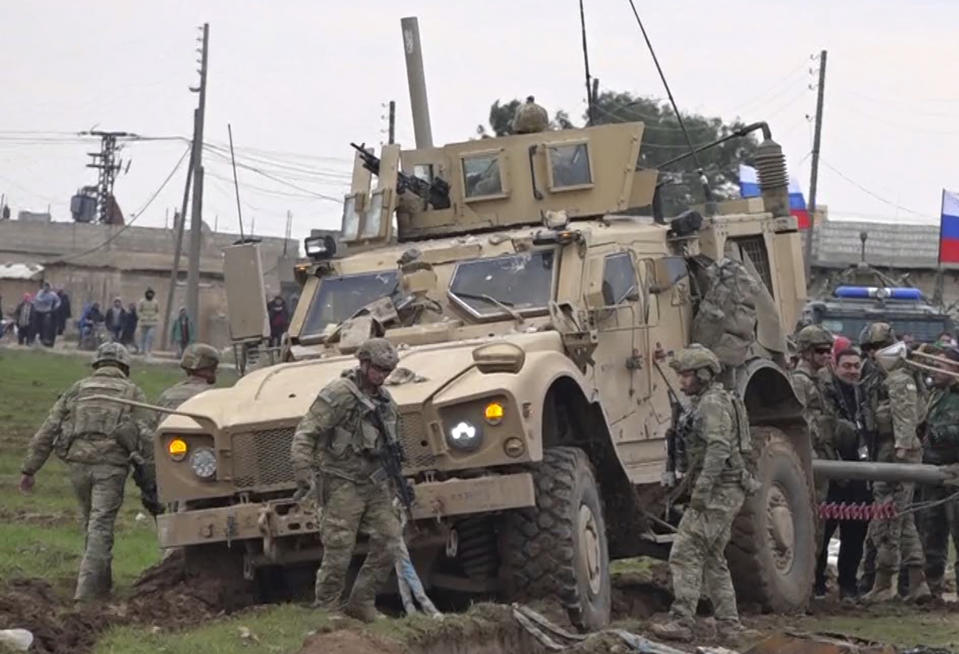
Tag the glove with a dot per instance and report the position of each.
(303, 489)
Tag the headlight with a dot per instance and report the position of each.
(464, 435)
(177, 449)
(203, 462)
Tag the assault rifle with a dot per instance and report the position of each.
(392, 456)
(436, 192)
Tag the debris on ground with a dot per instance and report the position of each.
(800, 643)
(18, 640)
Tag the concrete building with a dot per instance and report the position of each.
(96, 263)
(15, 280)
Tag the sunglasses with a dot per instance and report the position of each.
(381, 369)
(823, 350)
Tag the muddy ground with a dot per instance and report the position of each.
(167, 597)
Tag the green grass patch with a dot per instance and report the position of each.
(273, 630)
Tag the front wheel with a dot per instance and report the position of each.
(772, 552)
(558, 549)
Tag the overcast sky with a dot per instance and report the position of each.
(299, 79)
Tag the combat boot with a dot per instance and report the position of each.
(918, 588)
(732, 632)
(882, 589)
(679, 630)
(936, 587)
(362, 612)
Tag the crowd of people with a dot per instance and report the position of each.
(41, 316)
(865, 403)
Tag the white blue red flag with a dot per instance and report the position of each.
(949, 228)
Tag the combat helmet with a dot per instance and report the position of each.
(199, 356)
(699, 358)
(379, 352)
(530, 118)
(813, 336)
(877, 334)
(112, 353)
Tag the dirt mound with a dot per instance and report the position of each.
(57, 627)
(348, 642)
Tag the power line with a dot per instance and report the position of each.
(135, 216)
(279, 180)
(869, 192)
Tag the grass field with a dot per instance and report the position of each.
(39, 531)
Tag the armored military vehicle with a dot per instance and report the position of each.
(862, 294)
(534, 310)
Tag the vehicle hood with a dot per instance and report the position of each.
(284, 392)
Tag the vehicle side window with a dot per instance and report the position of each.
(481, 176)
(619, 279)
(569, 166)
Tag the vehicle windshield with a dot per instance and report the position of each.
(493, 287)
(338, 298)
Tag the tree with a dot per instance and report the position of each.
(662, 140)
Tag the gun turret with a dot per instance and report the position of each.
(435, 192)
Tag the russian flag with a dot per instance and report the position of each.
(949, 228)
(749, 188)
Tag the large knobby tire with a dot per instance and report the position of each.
(772, 554)
(557, 549)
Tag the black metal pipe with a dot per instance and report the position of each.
(739, 133)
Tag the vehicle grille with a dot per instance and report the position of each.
(261, 459)
(755, 248)
(416, 446)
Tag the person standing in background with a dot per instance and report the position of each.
(114, 319)
(25, 320)
(63, 313)
(148, 311)
(279, 319)
(181, 334)
(45, 304)
(129, 330)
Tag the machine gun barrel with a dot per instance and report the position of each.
(921, 473)
(436, 191)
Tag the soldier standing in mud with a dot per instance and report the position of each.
(814, 346)
(716, 471)
(200, 362)
(98, 440)
(892, 403)
(341, 438)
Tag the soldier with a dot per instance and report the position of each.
(941, 437)
(530, 118)
(200, 362)
(341, 438)
(892, 403)
(98, 440)
(814, 347)
(716, 471)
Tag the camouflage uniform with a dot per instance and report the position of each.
(97, 440)
(530, 118)
(893, 401)
(942, 448)
(341, 439)
(715, 472)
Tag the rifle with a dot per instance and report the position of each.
(392, 456)
(436, 192)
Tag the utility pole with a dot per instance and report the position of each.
(196, 213)
(392, 129)
(105, 162)
(180, 226)
(814, 173)
(416, 79)
(289, 226)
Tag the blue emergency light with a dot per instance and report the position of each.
(875, 292)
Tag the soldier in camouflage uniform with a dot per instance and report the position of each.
(98, 440)
(941, 436)
(715, 471)
(892, 402)
(340, 438)
(200, 362)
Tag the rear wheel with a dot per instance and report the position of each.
(772, 551)
(557, 549)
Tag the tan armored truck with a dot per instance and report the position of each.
(534, 310)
